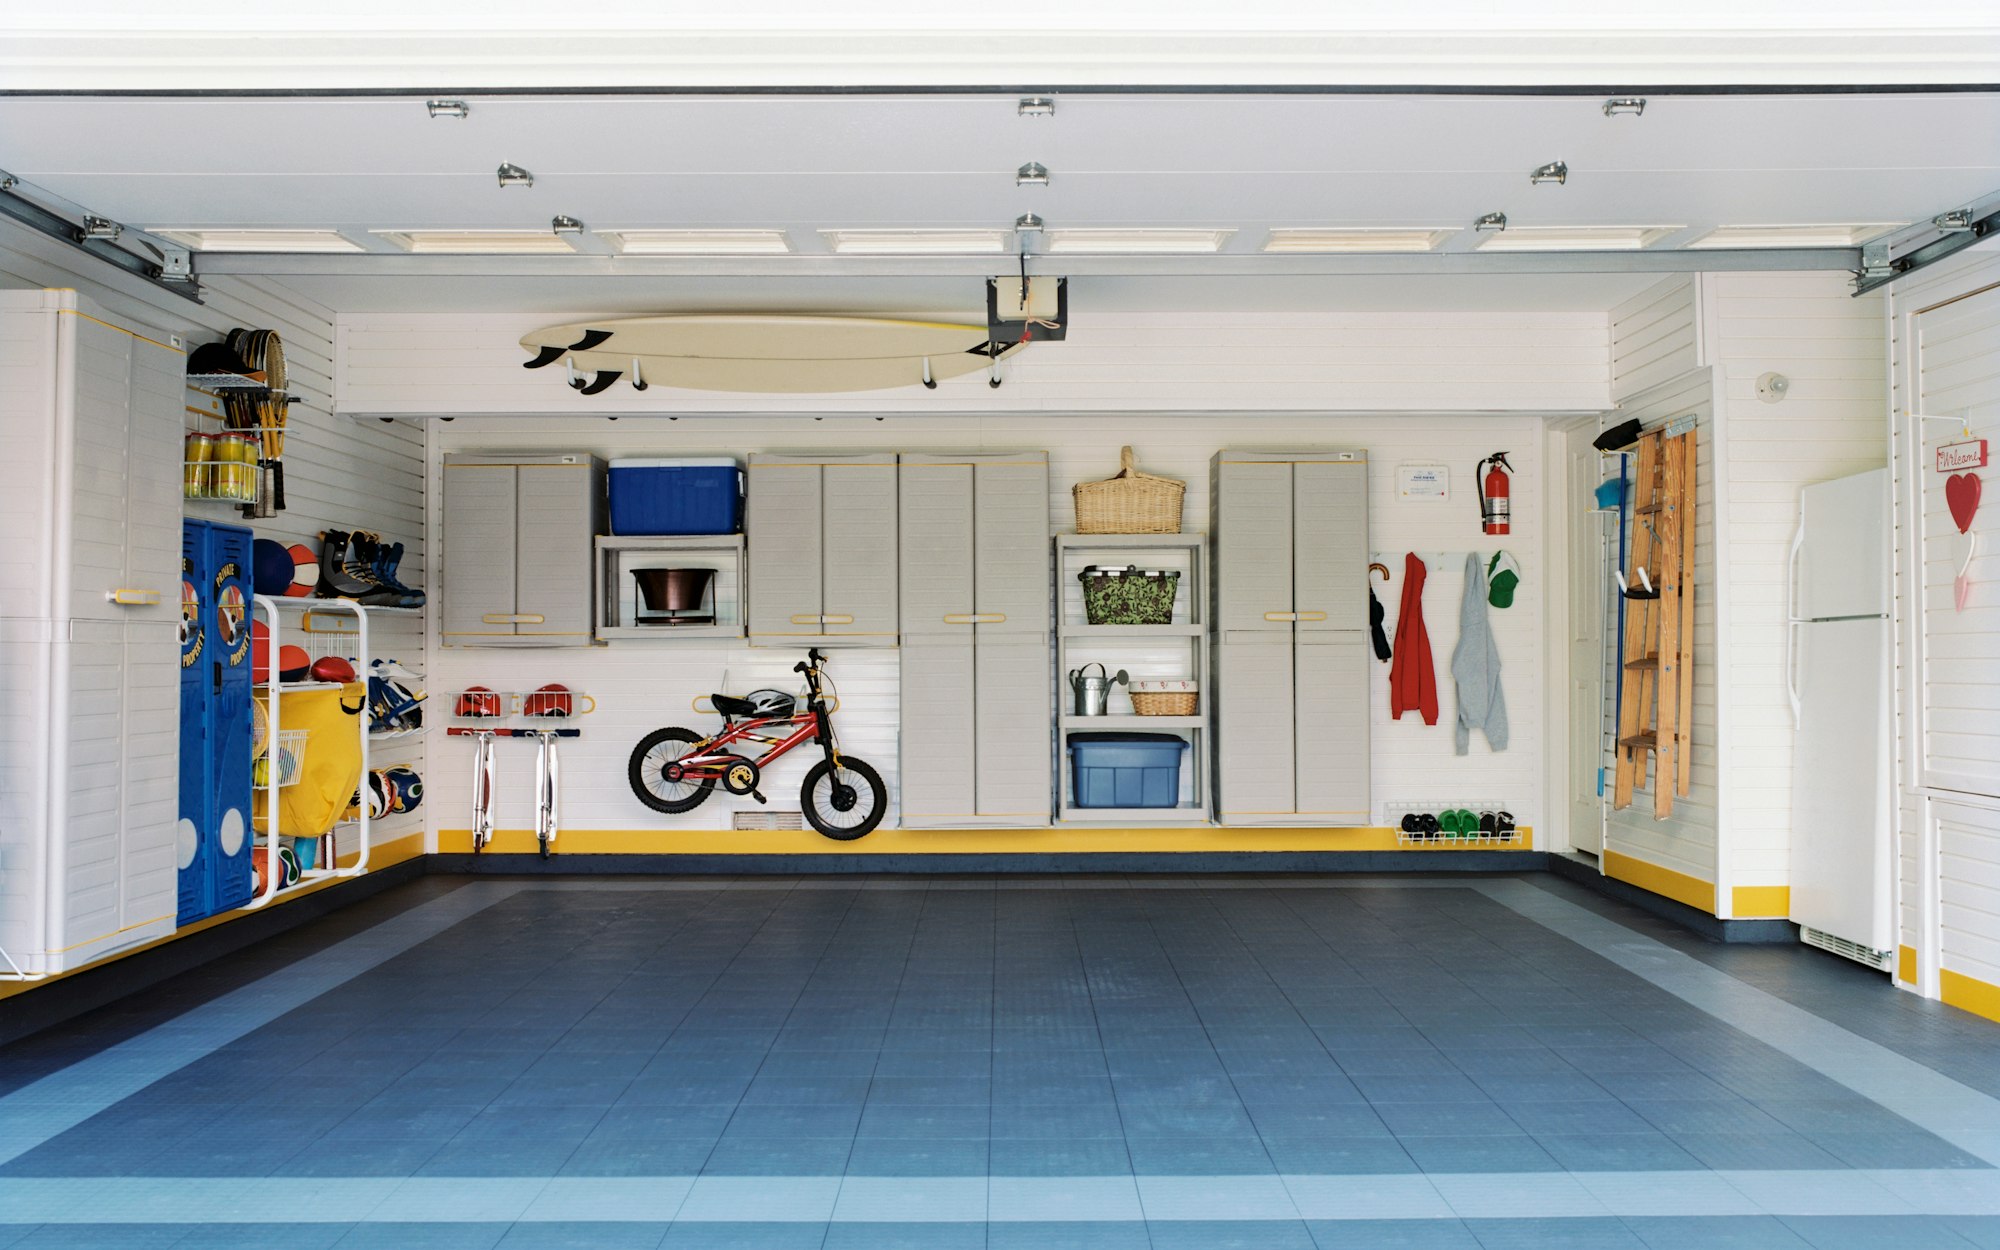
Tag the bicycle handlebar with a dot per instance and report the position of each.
(812, 661)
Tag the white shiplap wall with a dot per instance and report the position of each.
(339, 473)
(1129, 362)
(642, 685)
(1943, 350)
(1655, 336)
(1685, 842)
(1810, 328)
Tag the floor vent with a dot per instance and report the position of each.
(1881, 961)
(768, 820)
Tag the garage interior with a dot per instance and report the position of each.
(1256, 634)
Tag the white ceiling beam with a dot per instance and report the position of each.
(1225, 265)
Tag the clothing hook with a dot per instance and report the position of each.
(1381, 568)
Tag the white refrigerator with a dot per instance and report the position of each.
(1838, 676)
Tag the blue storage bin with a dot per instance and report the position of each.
(1125, 769)
(698, 495)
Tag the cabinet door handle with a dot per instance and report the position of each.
(836, 619)
(1308, 616)
(133, 598)
(974, 618)
(806, 618)
(514, 618)
(1281, 616)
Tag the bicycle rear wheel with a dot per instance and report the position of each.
(647, 772)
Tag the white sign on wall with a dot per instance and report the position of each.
(1423, 481)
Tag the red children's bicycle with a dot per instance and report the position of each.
(674, 769)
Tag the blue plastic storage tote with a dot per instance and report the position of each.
(1126, 769)
(701, 495)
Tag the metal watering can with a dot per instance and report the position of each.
(1093, 694)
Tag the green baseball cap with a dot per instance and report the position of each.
(1503, 577)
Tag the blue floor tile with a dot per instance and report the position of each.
(1230, 1235)
(776, 1156)
(1043, 1235)
(1481, 1153)
(1391, 1235)
(1730, 1232)
(719, 1236)
(1876, 1232)
(873, 1236)
(934, 1156)
(393, 1236)
(1580, 1233)
(1199, 1156)
(566, 1235)
(1059, 1156)
(665, 1156)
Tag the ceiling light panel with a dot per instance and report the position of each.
(1574, 238)
(479, 242)
(1851, 234)
(919, 242)
(257, 240)
(697, 242)
(1363, 240)
(1136, 241)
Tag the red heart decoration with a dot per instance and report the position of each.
(1961, 495)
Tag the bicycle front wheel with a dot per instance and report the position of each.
(843, 803)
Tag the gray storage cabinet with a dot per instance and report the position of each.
(518, 559)
(976, 709)
(1291, 613)
(822, 562)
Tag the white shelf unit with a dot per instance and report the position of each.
(620, 605)
(354, 646)
(1178, 650)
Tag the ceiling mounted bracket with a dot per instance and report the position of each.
(1947, 234)
(173, 271)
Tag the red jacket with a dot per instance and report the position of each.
(1413, 683)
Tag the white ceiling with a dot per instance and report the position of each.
(802, 163)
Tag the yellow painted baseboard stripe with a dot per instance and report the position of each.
(407, 847)
(1065, 840)
(1906, 964)
(1763, 902)
(1969, 994)
(1677, 886)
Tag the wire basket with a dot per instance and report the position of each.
(1134, 502)
(1165, 698)
(287, 760)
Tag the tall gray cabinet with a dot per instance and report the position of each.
(822, 563)
(1291, 619)
(518, 534)
(976, 720)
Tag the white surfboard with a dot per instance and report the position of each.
(723, 352)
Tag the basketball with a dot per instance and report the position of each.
(271, 569)
(294, 664)
(304, 572)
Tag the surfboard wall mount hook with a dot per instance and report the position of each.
(930, 383)
(993, 366)
(575, 380)
(638, 379)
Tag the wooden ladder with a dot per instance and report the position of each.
(1656, 690)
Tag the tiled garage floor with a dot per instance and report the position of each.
(1304, 1062)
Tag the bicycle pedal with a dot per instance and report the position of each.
(759, 796)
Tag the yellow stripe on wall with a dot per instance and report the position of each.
(1968, 993)
(1042, 841)
(1906, 964)
(407, 847)
(1677, 886)
(1763, 902)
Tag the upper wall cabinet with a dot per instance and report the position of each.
(518, 558)
(822, 532)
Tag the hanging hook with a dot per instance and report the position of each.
(1383, 569)
(575, 383)
(638, 380)
(993, 365)
(930, 383)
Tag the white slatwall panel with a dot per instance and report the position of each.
(339, 473)
(1685, 841)
(643, 685)
(1968, 838)
(1832, 346)
(1655, 337)
(1165, 362)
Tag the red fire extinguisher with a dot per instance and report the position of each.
(1495, 508)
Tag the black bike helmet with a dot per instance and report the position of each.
(768, 702)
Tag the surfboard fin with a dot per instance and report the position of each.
(546, 356)
(590, 339)
(603, 381)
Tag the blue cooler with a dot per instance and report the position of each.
(1126, 769)
(691, 495)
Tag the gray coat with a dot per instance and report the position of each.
(1475, 666)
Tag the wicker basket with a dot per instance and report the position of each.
(1134, 502)
(1169, 702)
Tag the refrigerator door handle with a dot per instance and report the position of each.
(1792, 622)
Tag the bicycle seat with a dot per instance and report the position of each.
(730, 705)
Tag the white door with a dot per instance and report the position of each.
(1589, 604)
(1843, 557)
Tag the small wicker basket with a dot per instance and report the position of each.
(1134, 502)
(1165, 698)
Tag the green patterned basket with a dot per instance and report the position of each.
(1128, 596)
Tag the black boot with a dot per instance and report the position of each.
(334, 580)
